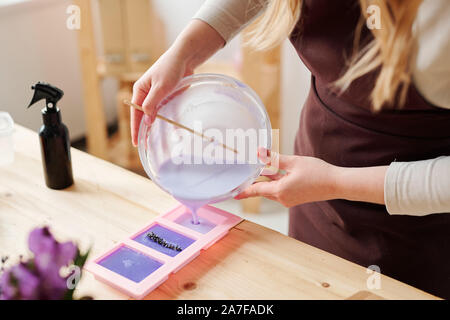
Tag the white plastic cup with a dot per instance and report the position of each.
(6, 139)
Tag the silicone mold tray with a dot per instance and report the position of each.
(144, 260)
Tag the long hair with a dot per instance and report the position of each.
(389, 50)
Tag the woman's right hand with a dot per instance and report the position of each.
(193, 46)
(156, 83)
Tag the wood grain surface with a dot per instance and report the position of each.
(108, 203)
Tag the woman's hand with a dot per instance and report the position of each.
(304, 179)
(156, 83)
(193, 46)
(308, 179)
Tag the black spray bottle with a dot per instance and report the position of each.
(54, 136)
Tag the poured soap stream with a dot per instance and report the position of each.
(195, 185)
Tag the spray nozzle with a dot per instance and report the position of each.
(46, 91)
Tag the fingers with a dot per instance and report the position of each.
(148, 96)
(140, 90)
(135, 117)
(264, 155)
(154, 97)
(275, 160)
(264, 189)
(139, 93)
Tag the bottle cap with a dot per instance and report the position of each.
(50, 93)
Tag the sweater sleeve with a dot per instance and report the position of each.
(229, 17)
(418, 188)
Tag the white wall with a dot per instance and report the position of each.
(176, 14)
(37, 46)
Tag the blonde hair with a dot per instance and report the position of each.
(389, 50)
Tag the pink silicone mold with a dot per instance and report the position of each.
(138, 265)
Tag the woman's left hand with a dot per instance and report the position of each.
(306, 179)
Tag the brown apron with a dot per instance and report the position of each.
(343, 131)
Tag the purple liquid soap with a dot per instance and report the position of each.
(131, 264)
(203, 226)
(195, 185)
(169, 236)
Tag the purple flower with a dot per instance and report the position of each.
(19, 283)
(8, 286)
(48, 253)
(39, 278)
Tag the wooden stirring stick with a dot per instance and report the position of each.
(179, 125)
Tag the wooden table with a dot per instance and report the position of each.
(107, 203)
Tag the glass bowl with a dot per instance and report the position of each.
(221, 108)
